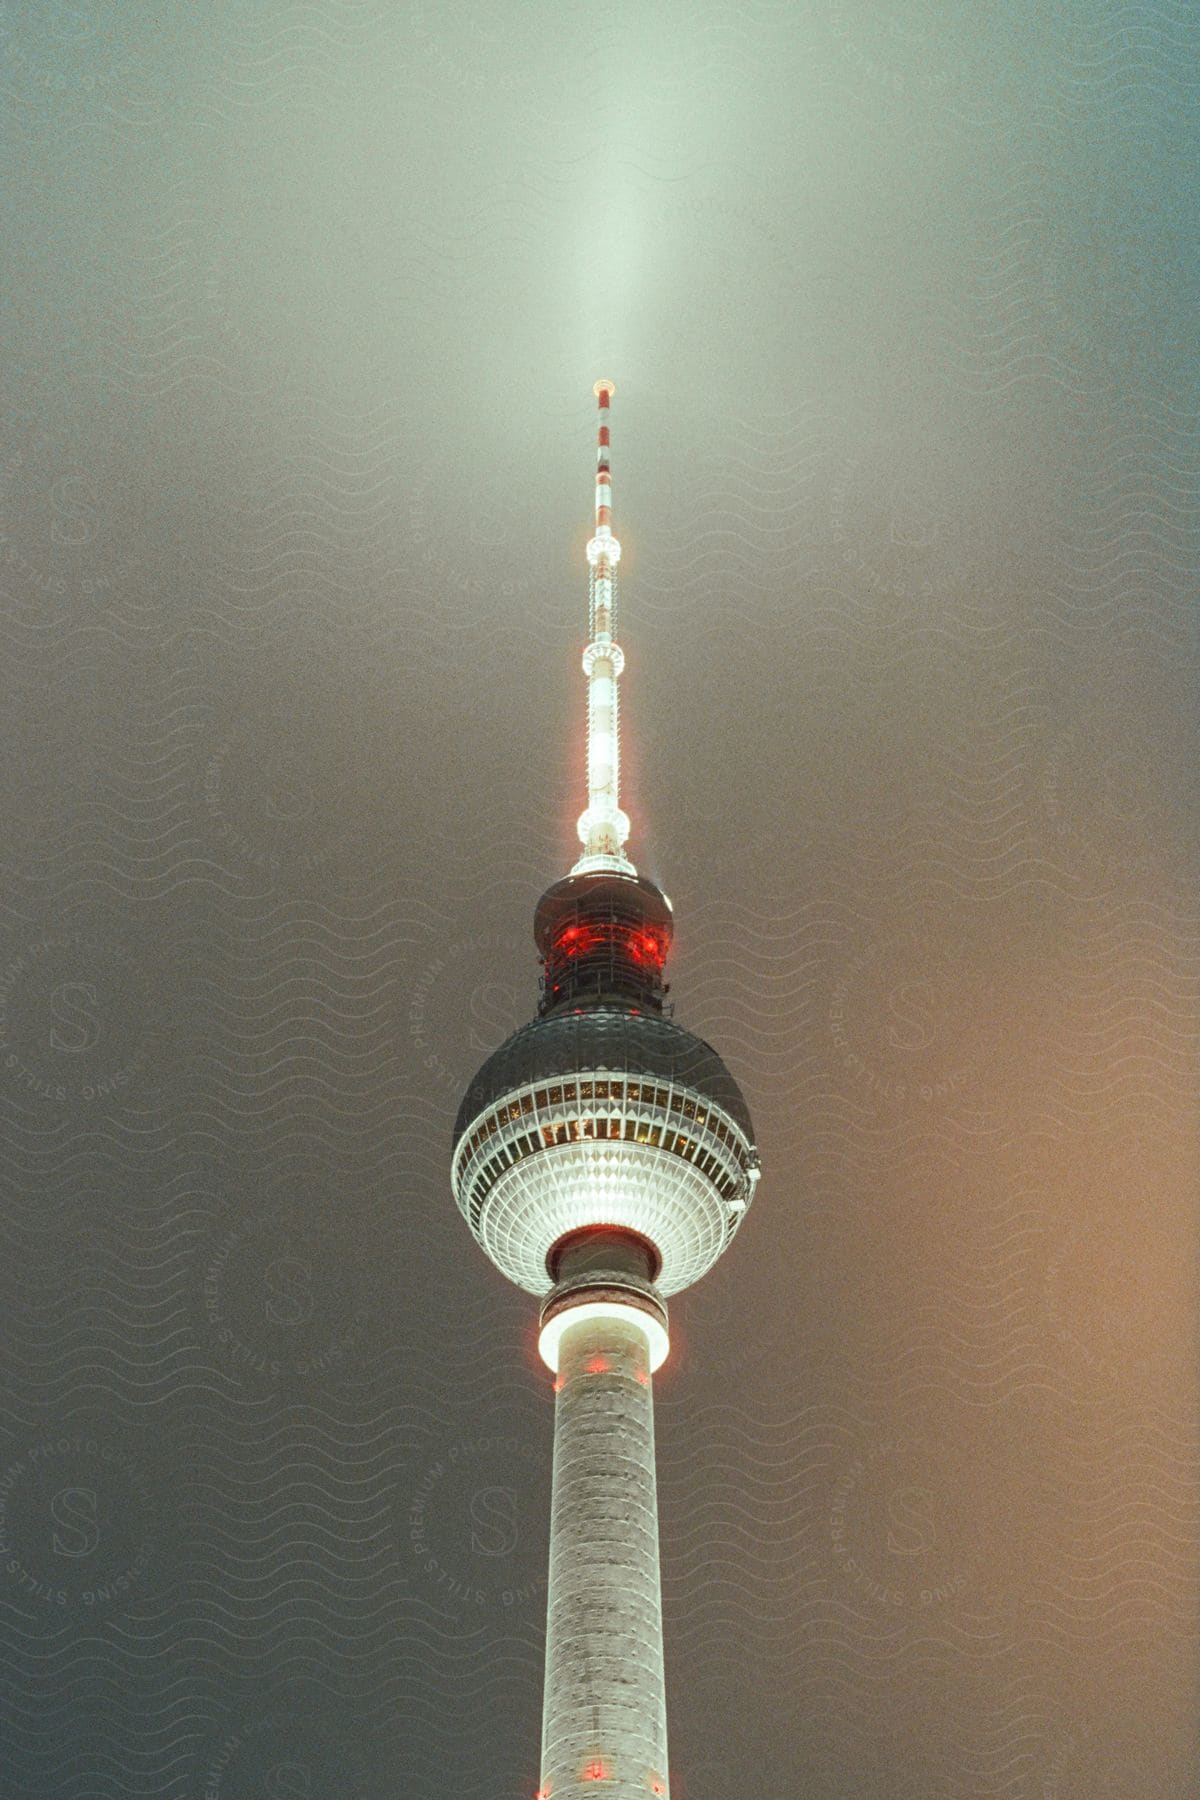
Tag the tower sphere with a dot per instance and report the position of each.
(603, 1117)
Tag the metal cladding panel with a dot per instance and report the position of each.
(604, 1038)
(604, 1713)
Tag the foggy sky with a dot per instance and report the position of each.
(306, 302)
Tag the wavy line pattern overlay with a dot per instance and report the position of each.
(309, 296)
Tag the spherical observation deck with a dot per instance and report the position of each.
(603, 1116)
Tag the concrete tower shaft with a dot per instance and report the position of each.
(604, 1711)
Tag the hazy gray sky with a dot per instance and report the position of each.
(306, 302)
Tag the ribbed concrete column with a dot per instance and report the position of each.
(604, 1715)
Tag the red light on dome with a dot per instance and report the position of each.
(658, 1787)
(643, 1377)
(595, 1771)
(576, 939)
(560, 1382)
(599, 1365)
(642, 946)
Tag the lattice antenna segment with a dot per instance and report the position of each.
(603, 827)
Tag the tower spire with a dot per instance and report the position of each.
(603, 827)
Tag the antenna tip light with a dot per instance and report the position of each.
(604, 390)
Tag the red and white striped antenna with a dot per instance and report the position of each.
(603, 827)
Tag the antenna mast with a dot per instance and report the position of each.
(603, 827)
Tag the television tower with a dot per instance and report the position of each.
(603, 1158)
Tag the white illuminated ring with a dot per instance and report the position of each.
(551, 1333)
(597, 652)
(609, 818)
(603, 546)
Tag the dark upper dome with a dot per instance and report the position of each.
(603, 1038)
(602, 939)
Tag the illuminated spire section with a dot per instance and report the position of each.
(603, 827)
